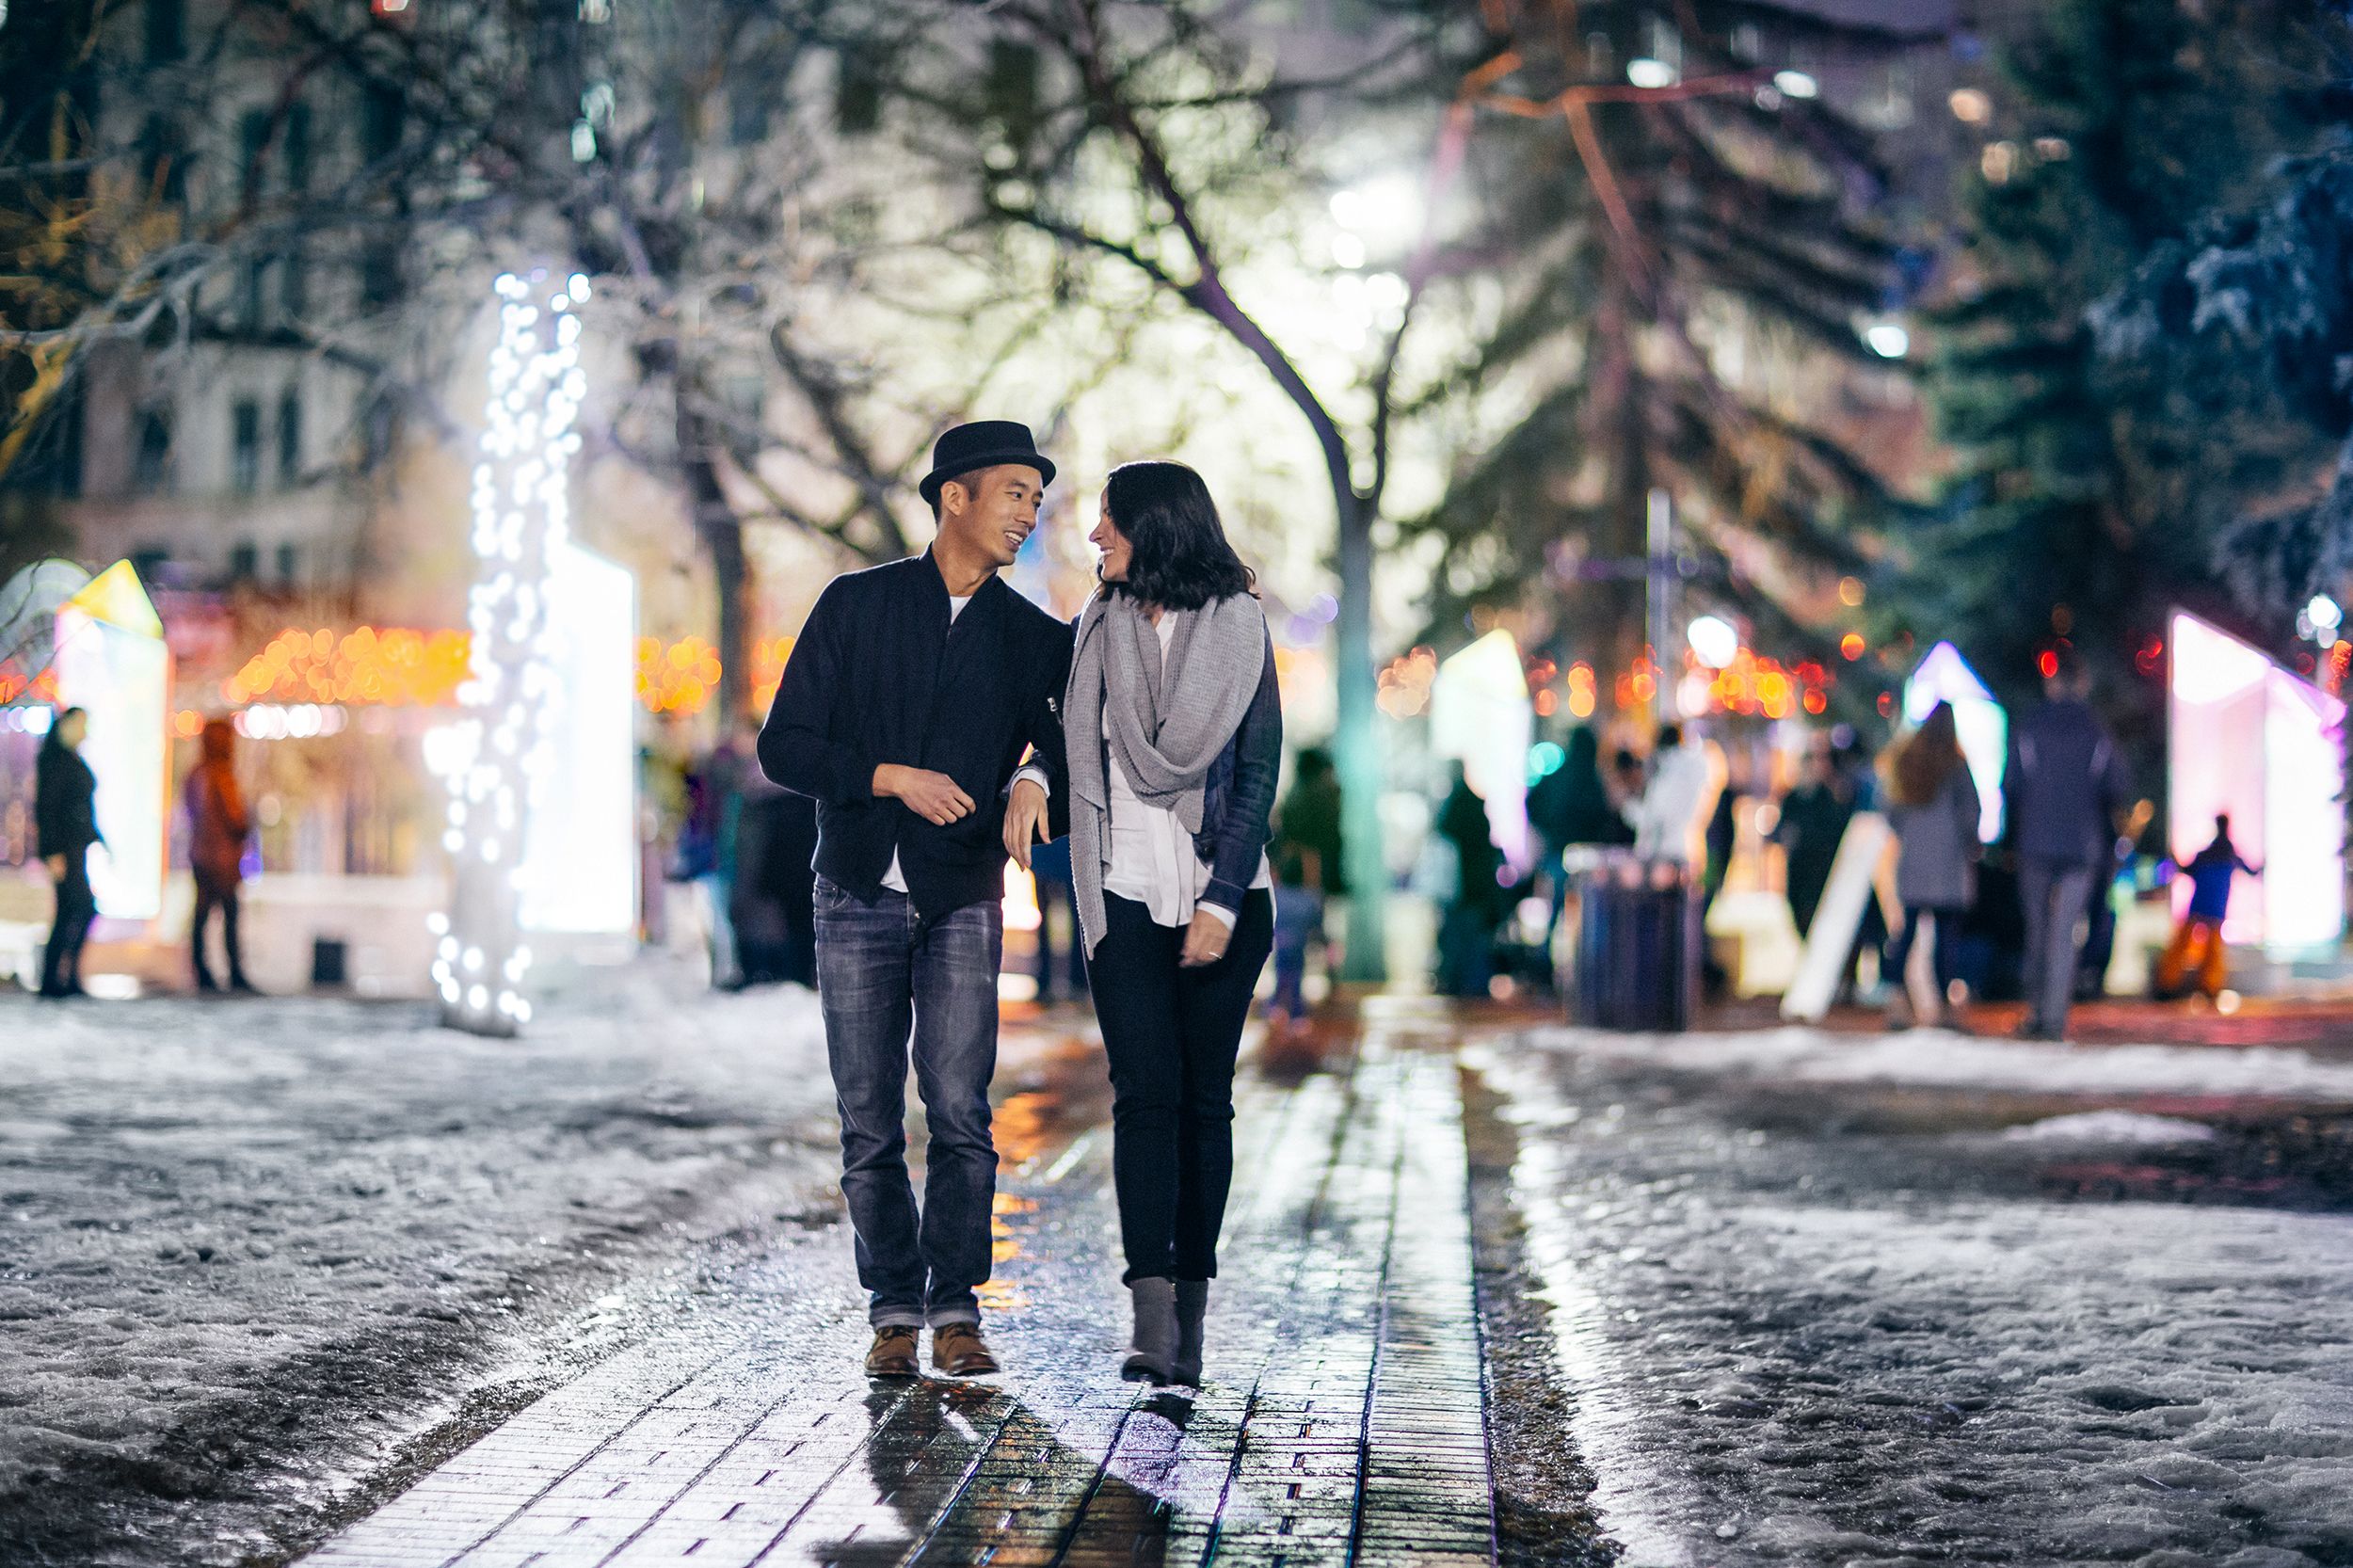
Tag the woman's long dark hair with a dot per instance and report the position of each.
(1929, 758)
(1177, 555)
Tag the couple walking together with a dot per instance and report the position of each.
(942, 722)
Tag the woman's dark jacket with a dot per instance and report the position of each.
(65, 807)
(1238, 795)
(879, 676)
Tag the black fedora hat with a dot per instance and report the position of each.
(982, 444)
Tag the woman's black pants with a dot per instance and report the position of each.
(61, 960)
(1172, 1034)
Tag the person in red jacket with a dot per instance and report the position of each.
(217, 827)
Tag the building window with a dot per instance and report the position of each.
(294, 286)
(858, 94)
(253, 154)
(162, 169)
(382, 115)
(245, 562)
(253, 289)
(288, 559)
(748, 112)
(1013, 88)
(379, 271)
(244, 456)
(166, 31)
(151, 465)
(295, 140)
(290, 437)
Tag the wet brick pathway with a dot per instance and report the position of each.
(1343, 1422)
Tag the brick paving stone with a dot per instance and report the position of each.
(1343, 1422)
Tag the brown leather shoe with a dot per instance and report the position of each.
(958, 1350)
(893, 1352)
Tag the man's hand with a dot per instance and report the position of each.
(1205, 940)
(1024, 820)
(932, 796)
(56, 867)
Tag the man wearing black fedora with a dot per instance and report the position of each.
(910, 697)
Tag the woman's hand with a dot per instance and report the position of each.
(1205, 940)
(1024, 820)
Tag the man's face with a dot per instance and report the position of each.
(72, 730)
(999, 509)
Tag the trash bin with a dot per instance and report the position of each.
(1636, 962)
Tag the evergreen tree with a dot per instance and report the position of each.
(2086, 498)
(1692, 258)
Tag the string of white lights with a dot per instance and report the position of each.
(493, 762)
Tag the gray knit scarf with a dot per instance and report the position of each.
(1170, 717)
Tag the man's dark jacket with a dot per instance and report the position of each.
(879, 676)
(2064, 784)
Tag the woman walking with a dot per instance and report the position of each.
(65, 821)
(1933, 809)
(217, 828)
(1173, 683)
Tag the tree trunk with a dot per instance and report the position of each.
(722, 535)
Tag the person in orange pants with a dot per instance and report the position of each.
(2210, 873)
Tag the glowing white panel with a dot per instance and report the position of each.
(1479, 713)
(2249, 739)
(1944, 676)
(111, 662)
(579, 842)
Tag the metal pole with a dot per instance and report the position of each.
(1660, 576)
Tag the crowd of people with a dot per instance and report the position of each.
(2029, 918)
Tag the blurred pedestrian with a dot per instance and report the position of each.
(1932, 806)
(1627, 779)
(1466, 929)
(1680, 799)
(1814, 818)
(1307, 874)
(1060, 951)
(65, 825)
(1570, 807)
(218, 825)
(1175, 737)
(704, 855)
(2198, 937)
(910, 696)
(2066, 784)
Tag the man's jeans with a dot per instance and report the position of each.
(2054, 893)
(883, 972)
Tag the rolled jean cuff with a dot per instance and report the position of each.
(894, 1316)
(940, 1316)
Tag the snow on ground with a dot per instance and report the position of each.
(249, 1247)
(1939, 1057)
(2109, 1126)
(1845, 1336)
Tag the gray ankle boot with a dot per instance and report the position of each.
(1152, 1350)
(1193, 1304)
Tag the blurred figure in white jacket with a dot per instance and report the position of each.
(1671, 820)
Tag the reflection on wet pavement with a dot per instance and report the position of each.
(1341, 1421)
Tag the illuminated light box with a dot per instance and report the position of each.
(111, 662)
(1944, 676)
(2248, 738)
(579, 870)
(1479, 713)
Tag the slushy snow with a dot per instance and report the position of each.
(248, 1249)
